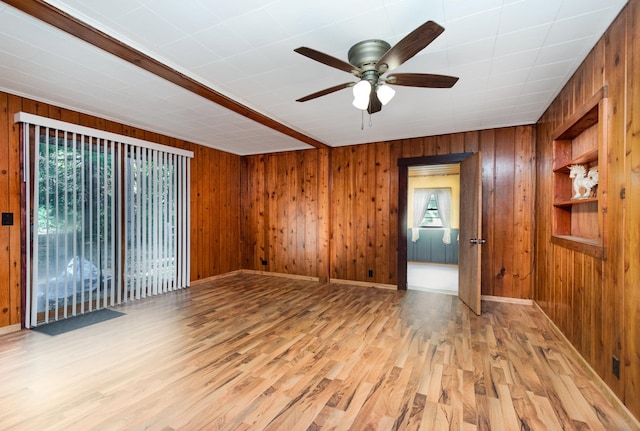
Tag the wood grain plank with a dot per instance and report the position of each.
(382, 211)
(370, 199)
(359, 206)
(523, 221)
(5, 194)
(336, 244)
(631, 373)
(490, 271)
(612, 307)
(17, 233)
(324, 187)
(394, 155)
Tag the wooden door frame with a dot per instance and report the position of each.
(403, 182)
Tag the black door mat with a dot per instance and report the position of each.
(71, 323)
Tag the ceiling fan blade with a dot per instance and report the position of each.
(409, 46)
(326, 91)
(328, 60)
(422, 80)
(374, 103)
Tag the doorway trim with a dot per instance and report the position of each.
(403, 182)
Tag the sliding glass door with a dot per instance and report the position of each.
(153, 198)
(108, 219)
(73, 222)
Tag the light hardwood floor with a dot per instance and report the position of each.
(259, 352)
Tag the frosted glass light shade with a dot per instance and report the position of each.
(361, 103)
(362, 89)
(385, 93)
(361, 92)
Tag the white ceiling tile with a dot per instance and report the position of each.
(258, 28)
(572, 8)
(563, 51)
(528, 13)
(223, 40)
(220, 72)
(429, 62)
(317, 15)
(533, 86)
(472, 74)
(472, 28)
(189, 20)
(578, 27)
(472, 52)
(516, 61)
(456, 9)
(230, 9)
(187, 52)
(105, 9)
(523, 40)
(149, 29)
(17, 47)
(551, 70)
(512, 57)
(512, 79)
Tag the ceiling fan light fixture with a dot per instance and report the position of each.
(385, 93)
(362, 89)
(361, 92)
(361, 103)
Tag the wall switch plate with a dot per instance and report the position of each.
(7, 219)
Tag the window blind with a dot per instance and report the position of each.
(109, 218)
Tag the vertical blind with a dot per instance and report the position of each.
(109, 218)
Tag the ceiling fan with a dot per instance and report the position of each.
(370, 59)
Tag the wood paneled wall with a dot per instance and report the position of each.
(215, 199)
(285, 194)
(596, 303)
(284, 213)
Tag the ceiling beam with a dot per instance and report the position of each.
(69, 24)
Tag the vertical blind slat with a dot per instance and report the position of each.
(110, 222)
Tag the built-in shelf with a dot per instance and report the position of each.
(572, 202)
(581, 140)
(588, 158)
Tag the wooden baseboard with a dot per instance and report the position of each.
(279, 274)
(11, 328)
(611, 396)
(507, 300)
(215, 277)
(363, 284)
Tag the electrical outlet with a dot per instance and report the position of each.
(263, 262)
(615, 367)
(371, 273)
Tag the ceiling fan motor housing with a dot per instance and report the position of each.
(366, 54)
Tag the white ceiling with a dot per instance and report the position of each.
(512, 57)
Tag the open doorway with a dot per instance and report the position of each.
(470, 239)
(433, 222)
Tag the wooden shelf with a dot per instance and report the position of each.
(584, 159)
(582, 245)
(578, 223)
(571, 202)
(585, 116)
